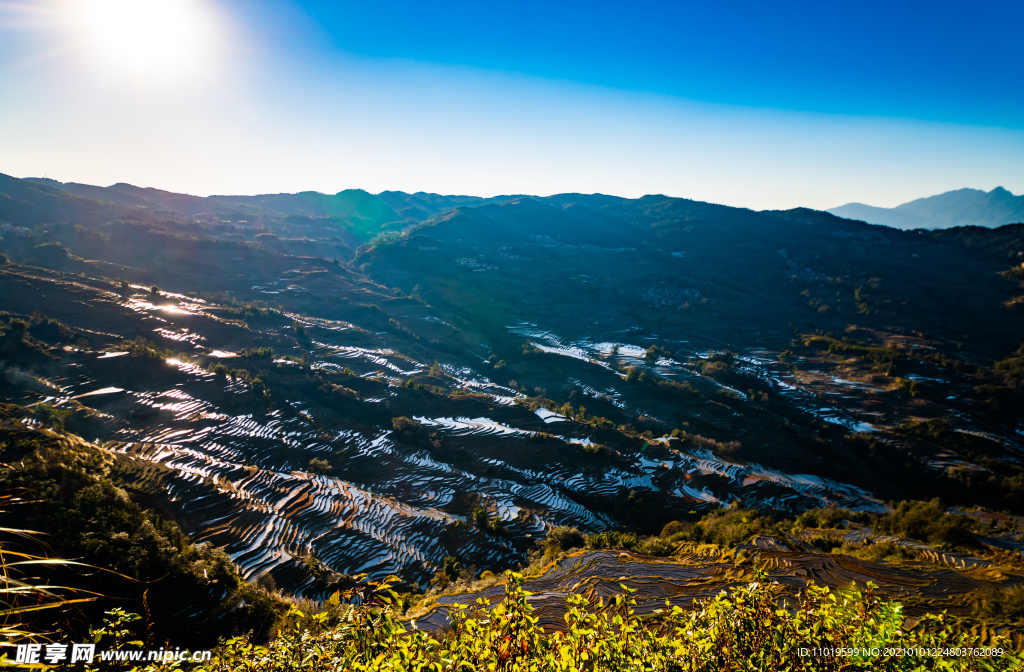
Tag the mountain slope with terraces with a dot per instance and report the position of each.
(321, 404)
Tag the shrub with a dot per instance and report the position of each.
(611, 539)
(730, 527)
(828, 518)
(49, 416)
(1003, 604)
(825, 543)
(447, 573)
(657, 547)
(410, 431)
(880, 550)
(928, 522)
(319, 465)
(257, 353)
(562, 539)
(673, 527)
(743, 631)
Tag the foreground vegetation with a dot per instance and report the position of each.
(930, 347)
(759, 626)
(93, 546)
(754, 628)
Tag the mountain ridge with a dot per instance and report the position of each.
(959, 207)
(369, 214)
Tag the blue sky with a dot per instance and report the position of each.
(762, 105)
(937, 61)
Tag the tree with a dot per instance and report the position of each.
(319, 465)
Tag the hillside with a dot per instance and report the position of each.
(322, 406)
(963, 207)
(352, 211)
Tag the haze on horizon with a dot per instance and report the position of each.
(740, 104)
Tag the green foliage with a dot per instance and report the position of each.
(414, 384)
(907, 387)
(49, 416)
(878, 549)
(530, 349)
(654, 352)
(257, 353)
(140, 347)
(50, 330)
(339, 390)
(561, 539)
(318, 465)
(748, 630)
(730, 527)
(50, 252)
(597, 448)
(673, 527)
(883, 358)
(410, 431)
(928, 522)
(828, 518)
(384, 239)
(720, 365)
(1004, 381)
(116, 633)
(448, 573)
(721, 448)
(250, 311)
(825, 543)
(87, 517)
(611, 539)
(657, 547)
(1014, 273)
(1002, 604)
(497, 525)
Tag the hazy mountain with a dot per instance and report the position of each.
(112, 194)
(31, 202)
(962, 207)
(364, 213)
(421, 205)
(312, 203)
(885, 216)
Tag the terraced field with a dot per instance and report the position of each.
(698, 572)
(455, 384)
(236, 469)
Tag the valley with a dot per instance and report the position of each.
(326, 392)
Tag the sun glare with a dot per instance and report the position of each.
(153, 35)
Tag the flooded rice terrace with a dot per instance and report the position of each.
(239, 472)
(701, 572)
(241, 479)
(311, 482)
(838, 408)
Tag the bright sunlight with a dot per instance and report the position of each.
(152, 35)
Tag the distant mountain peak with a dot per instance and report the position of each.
(960, 207)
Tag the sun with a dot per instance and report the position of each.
(156, 36)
